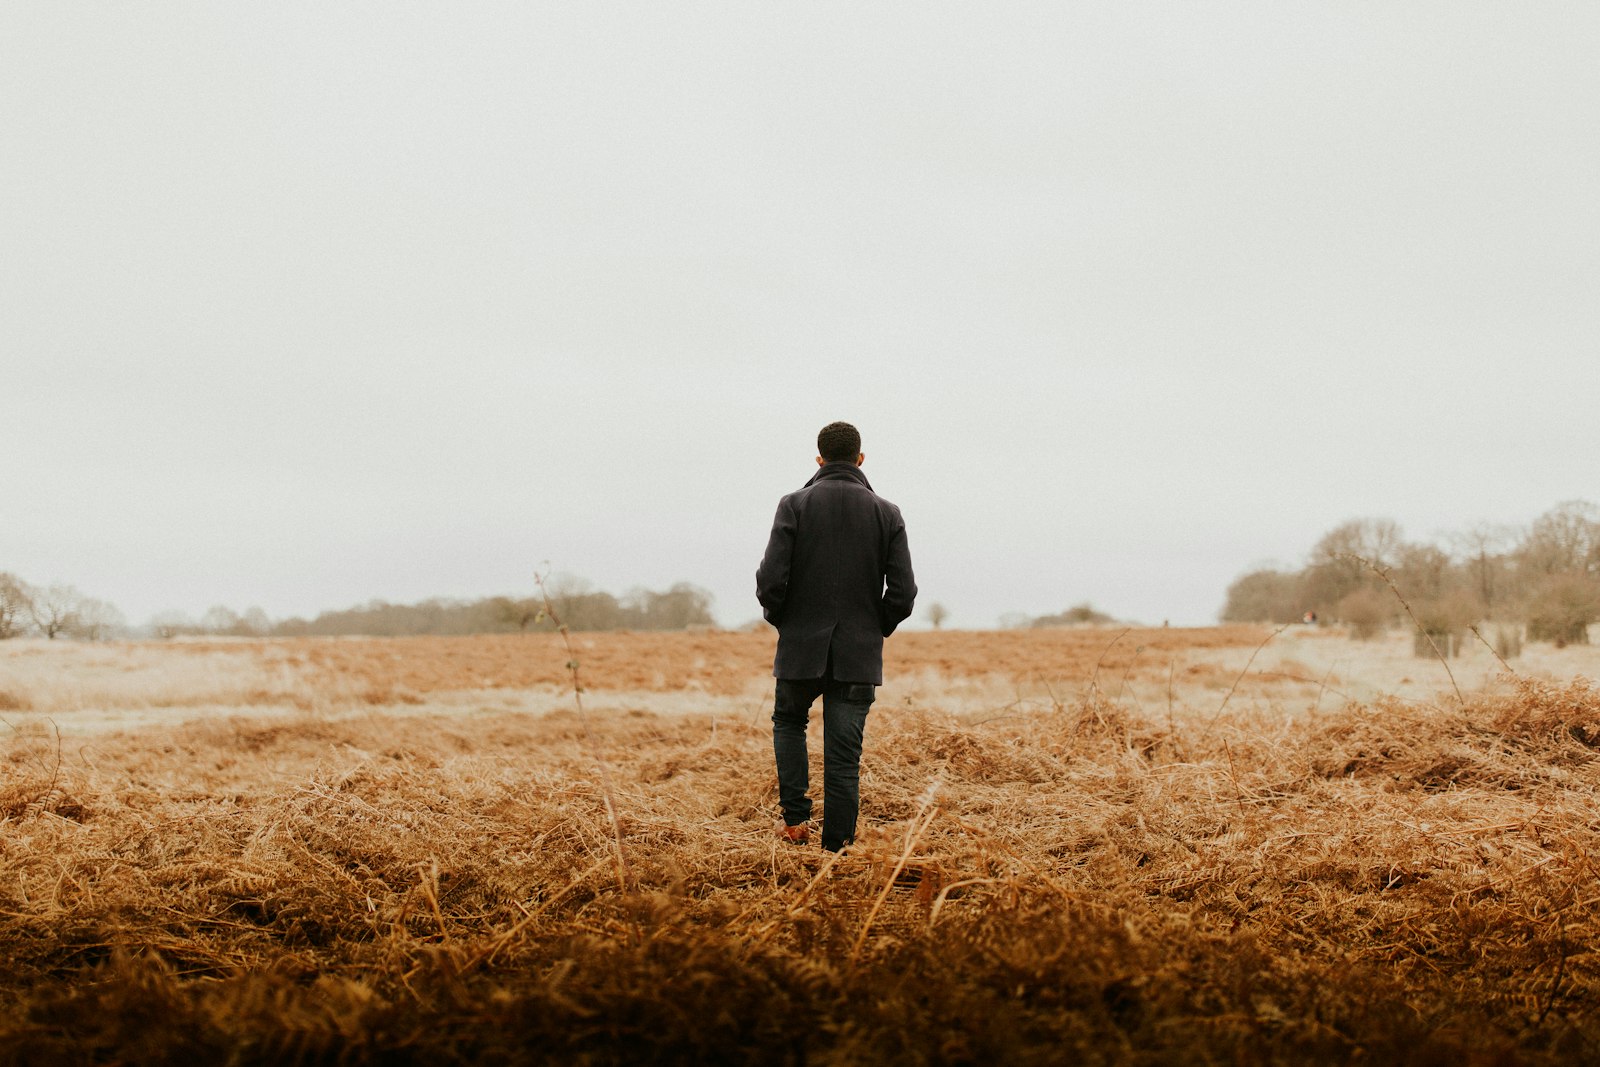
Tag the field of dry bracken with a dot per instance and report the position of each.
(1099, 846)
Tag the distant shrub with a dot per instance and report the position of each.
(1079, 615)
(1367, 612)
(1508, 641)
(1562, 609)
(1265, 595)
(1444, 620)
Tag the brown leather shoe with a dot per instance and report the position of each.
(795, 835)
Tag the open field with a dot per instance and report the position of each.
(1077, 844)
(93, 688)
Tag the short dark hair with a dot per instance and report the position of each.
(839, 441)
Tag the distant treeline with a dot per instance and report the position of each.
(574, 603)
(1079, 615)
(1545, 576)
(63, 611)
(53, 611)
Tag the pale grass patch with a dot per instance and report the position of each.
(1338, 669)
(61, 677)
(94, 687)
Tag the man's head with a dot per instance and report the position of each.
(839, 442)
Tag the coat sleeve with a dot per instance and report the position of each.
(899, 585)
(772, 576)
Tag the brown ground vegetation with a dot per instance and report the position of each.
(713, 661)
(1078, 880)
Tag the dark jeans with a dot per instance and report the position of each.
(844, 721)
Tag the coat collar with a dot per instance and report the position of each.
(839, 469)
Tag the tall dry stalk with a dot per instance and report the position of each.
(607, 792)
(1172, 664)
(1234, 687)
(489, 951)
(1495, 651)
(1122, 685)
(919, 825)
(1383, 572)
(1094, 678)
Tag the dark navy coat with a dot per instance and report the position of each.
(836, 578)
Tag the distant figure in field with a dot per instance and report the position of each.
(836, 580)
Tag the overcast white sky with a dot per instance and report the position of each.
(303, 304)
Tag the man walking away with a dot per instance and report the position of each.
(835, 580)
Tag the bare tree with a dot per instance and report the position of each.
(171, 623)
(220, 620)
(16, 605)
(255, 623)
(1564, 540)
(96, 620)
(1424, 571)
(1372, 539)
(1482, 550)
(937, 613)
(1335, 568)
(54, 610)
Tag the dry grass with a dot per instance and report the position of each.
(715, 663)
(87, 688)
(1083, 877)
(58, 677)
